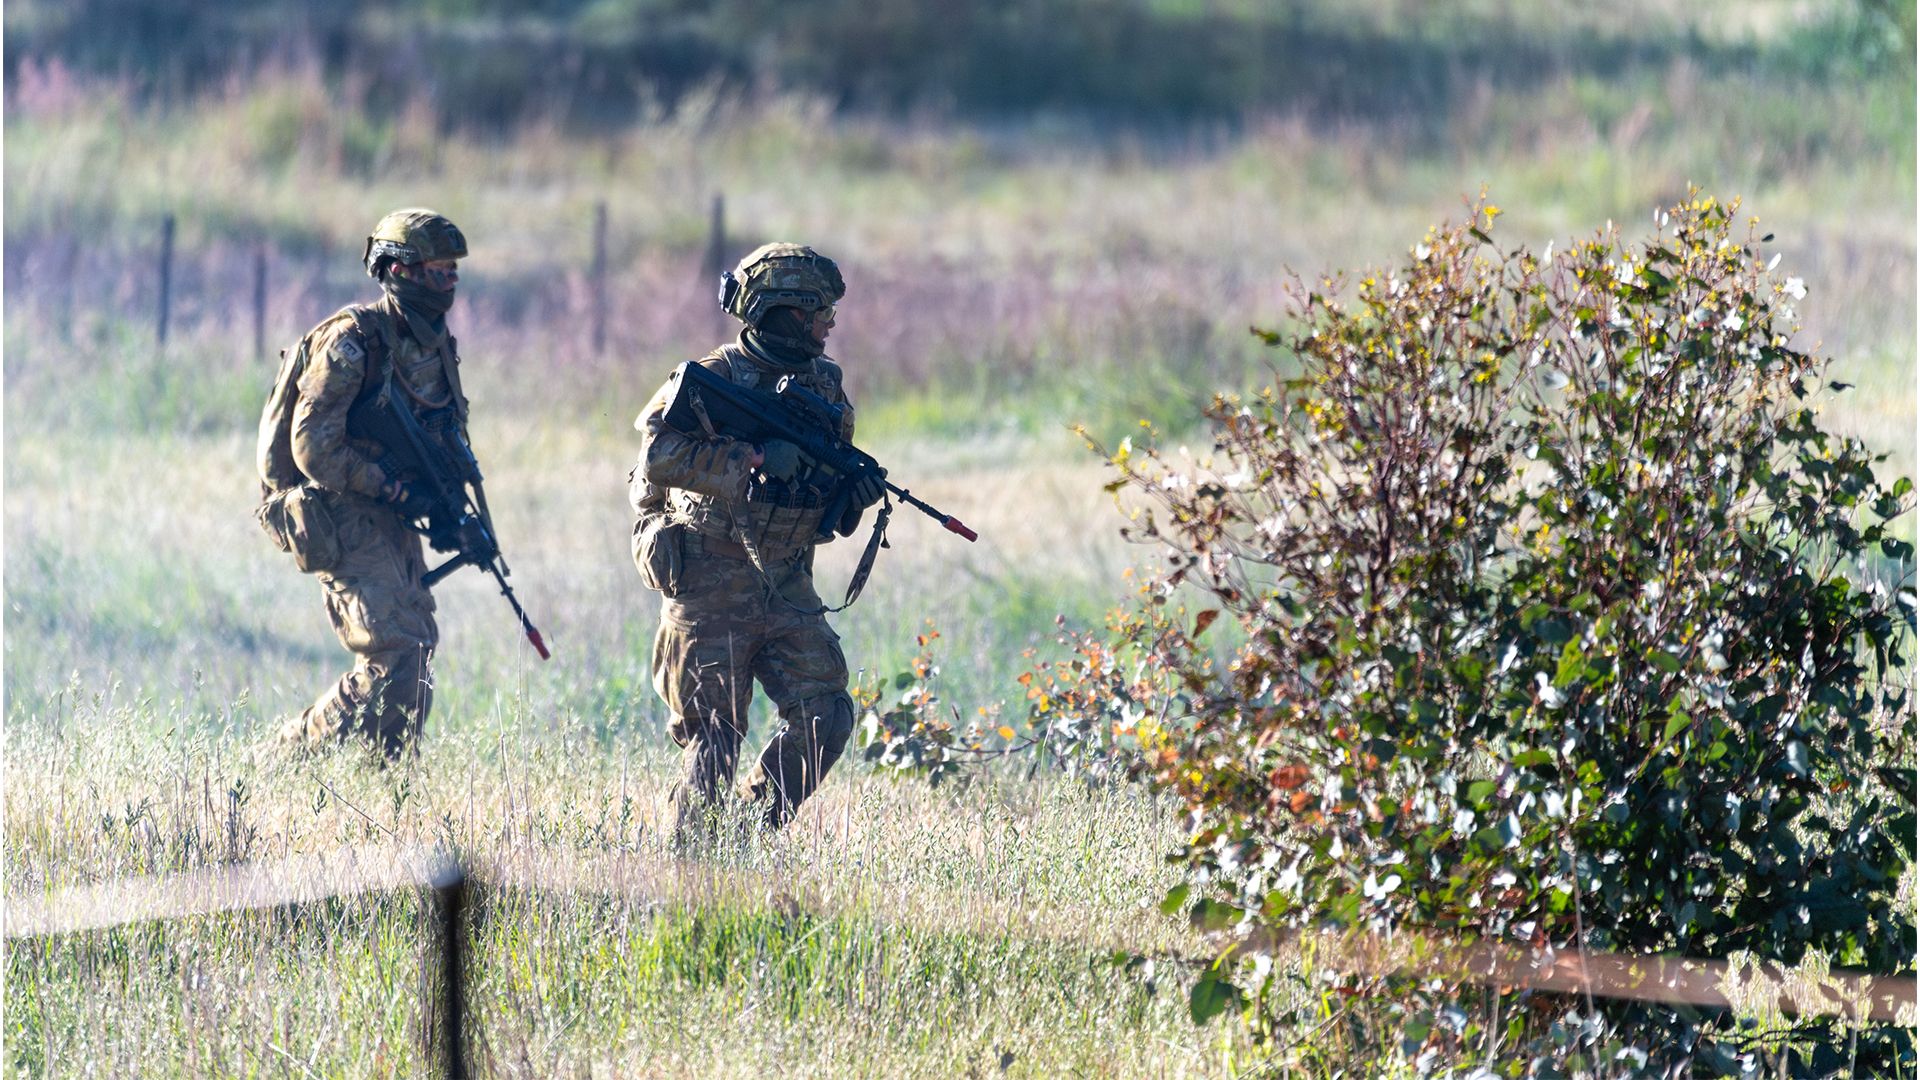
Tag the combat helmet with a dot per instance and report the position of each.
(414, 235)
(780, 275)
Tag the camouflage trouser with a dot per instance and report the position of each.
(384, 616)
(719, 632)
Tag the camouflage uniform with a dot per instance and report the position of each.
(724, 623)
(375, 600)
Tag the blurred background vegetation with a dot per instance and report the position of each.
(1048, 213)
(1076, 197)
(491, 63)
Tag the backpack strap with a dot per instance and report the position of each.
(376, 331)
(274, 453)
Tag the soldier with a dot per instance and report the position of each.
(725, 531)
(335, 499)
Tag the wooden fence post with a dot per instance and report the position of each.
(260, 301)
(449, 906)
(600, 277)
(63, 288)
(166, 277)
(716, 261)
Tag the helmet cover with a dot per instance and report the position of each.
(780, 275)
(411, 236)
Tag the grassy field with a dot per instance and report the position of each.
(1007, 279)
(889, 930)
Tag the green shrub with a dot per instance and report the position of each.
(1565, 623)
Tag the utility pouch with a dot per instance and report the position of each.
(658, 552)
(298, 521)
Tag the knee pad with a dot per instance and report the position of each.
(827, 719)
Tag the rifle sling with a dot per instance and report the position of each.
(875, 542)
(742, 548)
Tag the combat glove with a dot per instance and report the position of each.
(861, 493)
(475, 541)
(866, 491)
(780, 459)
(408, 503)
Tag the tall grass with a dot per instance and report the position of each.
(1008, 278)
(989, 267)
(927, 930)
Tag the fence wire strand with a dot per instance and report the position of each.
(1751, 987)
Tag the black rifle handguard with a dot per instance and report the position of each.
(700, 400)
(438, 476)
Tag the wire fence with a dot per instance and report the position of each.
(447, 880)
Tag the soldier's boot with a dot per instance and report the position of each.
(292, 732)
(707, 763)
(401, 708)
(385, 698)
(813, 733)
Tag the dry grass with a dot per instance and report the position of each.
(1005, 284)
(992, 890)
(1109, 273)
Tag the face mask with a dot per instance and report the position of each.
(784, 350)
(785, 334)
(418, 298)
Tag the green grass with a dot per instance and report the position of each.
(823, 996)
(329, 989)
(888, 925)
(562, 985)
(1019, 278)
(1008, 279)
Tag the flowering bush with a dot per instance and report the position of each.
(1565, 625)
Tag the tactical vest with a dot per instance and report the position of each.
(782, 520)
(379, 332)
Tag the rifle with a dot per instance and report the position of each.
(443, 489)
(700, 399)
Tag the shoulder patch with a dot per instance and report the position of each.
(347, 350)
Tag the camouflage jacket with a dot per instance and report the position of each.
(706, 483)
(336, 372)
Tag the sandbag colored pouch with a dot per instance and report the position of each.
(298, 521)
(657, 553)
